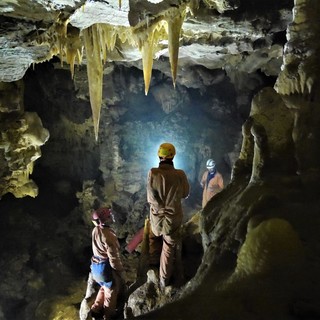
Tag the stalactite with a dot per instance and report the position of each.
(61, 31)
(64, 41)
(95, 73)
(149, 34)
(99, 39)
(29, 170)
(174, 29)
(148, 42)
(147, 60)
(73, 48)
(108, 37)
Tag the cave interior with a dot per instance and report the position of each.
(85, 101)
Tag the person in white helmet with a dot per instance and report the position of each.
(166, 188)
(211, 182)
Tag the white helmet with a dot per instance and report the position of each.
(210, 164)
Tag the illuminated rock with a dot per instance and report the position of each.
(20, 142)
(21, 137)
(298, 85)
(272, 246)
(301, 66)
(268, 141)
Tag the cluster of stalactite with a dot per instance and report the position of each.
(97, 40)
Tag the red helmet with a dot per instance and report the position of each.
(102, 214)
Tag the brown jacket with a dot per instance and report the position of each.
(106, 245)
(166, 187)
(214, 186)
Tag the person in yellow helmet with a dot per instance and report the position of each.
(166, 187)
(211, 182)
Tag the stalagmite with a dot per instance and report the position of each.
(174, 29)
(95, 73)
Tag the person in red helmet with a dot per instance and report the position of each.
(106, 266)
(166, 187)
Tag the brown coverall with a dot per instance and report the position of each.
(105, 245)
(166, 187)
(214, 186)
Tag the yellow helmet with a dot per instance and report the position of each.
(166, 151)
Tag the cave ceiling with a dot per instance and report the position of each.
(236, 38)
(234, 35)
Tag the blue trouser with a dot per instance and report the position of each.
(101, 271)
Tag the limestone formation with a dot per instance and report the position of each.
(258, 238)
(22, 135)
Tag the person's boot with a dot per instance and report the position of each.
(97, 315)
